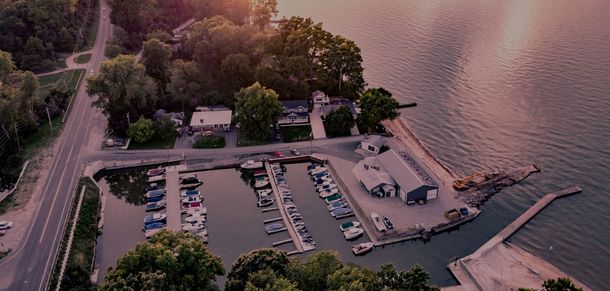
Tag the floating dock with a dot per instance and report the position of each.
(172, 198)
(277, 243)
(269, 209)
(513, 267)
(272, 220)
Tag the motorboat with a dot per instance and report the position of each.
(150, 233)
(261, 184)
(319, 175)
(324, 183)
(328, 193)
(157, 178)
(318, 170)
(190, 182)
(195, 210)
(191, 199)
(274, 227)
(263, 192)
(251, 165)
(313, 166)
(378, 222)
(362, 248)
(353, 233)
(348, 225)
(203, 235)
(155, 199)
(196, 218)
(342, 212)
(264, 202)
(155, 193)
(155, 172)
(260, 172)
(154, 225)
(153, 206)
(319, 182)
(327, 187)
(333, 198)
(156, 217)
(190, 193)
(189, 227)
(190, 206)
(336, 205)
(155, 186)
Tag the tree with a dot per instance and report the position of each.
(378, 104)
(156, 58)
(262, 11)
(168, 261)
(187, 84)
(235, 72)
(33, 53)
(314, 274)
(339, 122)
(160, 35)
(257, 108)
(122, 89)
(29, 85)
(7, 66)
(164, 128)
(142, 130)
(560, 284)
(352, 277)
(267, 280)
(342, 61)
(258, 260)
(414, 279)
(112, 50)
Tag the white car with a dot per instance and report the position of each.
(5, 224)
(91, 72)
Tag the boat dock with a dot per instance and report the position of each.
(280, 205)
(269, 209)
(272, 220)
(172, 199)
(277, 243)
(473, 272)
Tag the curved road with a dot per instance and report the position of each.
(29, 266)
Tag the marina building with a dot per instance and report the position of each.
(216, 119)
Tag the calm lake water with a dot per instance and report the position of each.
(499, 84)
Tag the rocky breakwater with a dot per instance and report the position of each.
(479, 187)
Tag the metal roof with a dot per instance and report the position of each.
(409, 176)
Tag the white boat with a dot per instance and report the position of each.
(155, 217)
(251, 164)
(336, 205)
(318, 170)
(261, 184)
(263, 192)
(362, 248)
(378, 222)
(157, 178)
(327, 187)
(264, 202)
(192, 227)
(196, 218)
(191, 199)
(324, 183)
(348, 225)
(353, 233)
(327, 193)
(195, 210)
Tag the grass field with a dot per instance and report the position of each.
(154, 143)
(296, 133)
(83, 59)
(67, 79)
(210, 142)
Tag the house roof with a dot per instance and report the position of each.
(318, 93)
(371, 178)
(294, 114)
(376, 140)
(209, 118)
(409, 176)
(294, 104)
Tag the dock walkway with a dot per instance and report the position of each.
(173, 200)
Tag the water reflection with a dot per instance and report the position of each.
(128, 185)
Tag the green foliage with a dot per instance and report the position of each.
(235, 72)
(339, 122)
(267, 280)
(253, 262)
(168, 261)
(113, 50)
(210, 142)
(164, 128)
(83, 58)
(560, 284)
(296, 133)
(378, 104)
(156, 58)
(262, 11)
(161, 35)
(7, 66)
(122, 88)
(342, 61)
(257, 108)
(142, 130)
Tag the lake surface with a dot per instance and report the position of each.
(499, 84)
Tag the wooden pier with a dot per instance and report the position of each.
(272, 220)
(269, 209)
(277, 243)
(172, 199)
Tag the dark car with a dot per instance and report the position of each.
(388, 223)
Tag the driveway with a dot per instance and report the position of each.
(317, 127)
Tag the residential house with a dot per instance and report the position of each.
(336, 103)
(373, 143)
(391, 174)
(216, 119)
(294, 112)
(319, 98)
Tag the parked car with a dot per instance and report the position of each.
(295, 152)
(279, 154)
(5, 224)
(388, 223)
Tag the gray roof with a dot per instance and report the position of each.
(407, 176)
(293, 104)
(376, 140)
(371, 178)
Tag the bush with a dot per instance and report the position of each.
(210, 142)
(142, 130)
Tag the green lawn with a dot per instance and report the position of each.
(68, 79)
(210, 142)
(83, 59)
(243, 141)
(153, 143)
(296, 133)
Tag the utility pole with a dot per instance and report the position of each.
(50, 122)
(17, 134)
(128, 120)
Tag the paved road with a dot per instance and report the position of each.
(28, 267)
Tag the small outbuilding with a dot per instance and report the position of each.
(319, 98)
(373, 143)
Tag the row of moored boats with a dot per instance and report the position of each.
(337, 206)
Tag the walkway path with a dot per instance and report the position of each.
(70, 63)
(317, 126)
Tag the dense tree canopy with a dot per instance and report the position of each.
(339, 122)
(156, 58)
(257, 109)
(274, 260)
(122, 89)
(142, 130)
(168, 261)
(377, 104)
